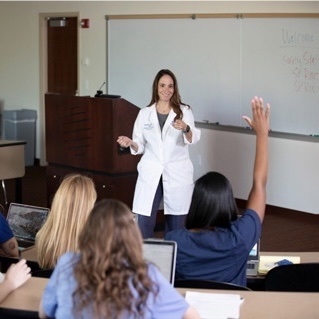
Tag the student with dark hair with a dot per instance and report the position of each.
(108, 277)
(163, 132)
(215, 243)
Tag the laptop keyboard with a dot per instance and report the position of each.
(24, 244)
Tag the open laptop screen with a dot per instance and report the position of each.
(162, 253)
(26, 220)
(253, 260)
(254, 251)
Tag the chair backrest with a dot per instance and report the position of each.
(295, 277)
(207, 284)
(43, 273)
(5, 263)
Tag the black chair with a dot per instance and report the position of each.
(5, 263)
(42, 273)
(295, 277)
(36, 271)
(207, 284)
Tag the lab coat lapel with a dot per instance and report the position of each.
(168, 124)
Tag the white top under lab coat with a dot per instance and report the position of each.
(165, 153)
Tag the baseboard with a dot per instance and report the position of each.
(275, 210)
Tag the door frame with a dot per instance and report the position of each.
(43, 69)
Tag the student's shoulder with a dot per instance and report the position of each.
(67, 259)
(249, 217)
(147, 109)
(250, 213)
(173, 234)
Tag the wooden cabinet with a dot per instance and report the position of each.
(81, 134)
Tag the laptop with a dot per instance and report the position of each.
(253, 260)
(25, 221)
(162, 253)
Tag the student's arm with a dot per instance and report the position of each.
(260, 124)
(16, 275)
(10, 247)
(191, 313)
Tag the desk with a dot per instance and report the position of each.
(305, 257)
(25, 300)
(274, 305)
(12, 165)
(257, 304)
(257, 283)
(29, 254)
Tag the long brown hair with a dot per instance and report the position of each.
(175, 101)
(111, 264)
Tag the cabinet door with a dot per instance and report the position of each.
(118, 187)
(107, 186)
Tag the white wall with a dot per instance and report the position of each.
(293, 178)
(20, 83)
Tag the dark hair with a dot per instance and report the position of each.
(213, 203)
(175, 101)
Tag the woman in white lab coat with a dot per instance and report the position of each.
(162, 132)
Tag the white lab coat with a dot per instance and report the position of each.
(164, 154)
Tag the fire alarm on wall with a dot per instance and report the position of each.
(85, 23)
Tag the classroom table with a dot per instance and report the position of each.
(256, 304)
(24, 301)
(274, 305)
(257, 283)
(305, 257)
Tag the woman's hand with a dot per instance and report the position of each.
(180, 125)
(260, 116)
(17, 274)
(125, 141)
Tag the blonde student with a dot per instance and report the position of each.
(71, 206)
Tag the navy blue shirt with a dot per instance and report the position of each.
(5, 230)
(220, 254)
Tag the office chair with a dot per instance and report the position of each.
(5, 263)
(42, 273)
(207, 284)
(295, 277)
(18, 314)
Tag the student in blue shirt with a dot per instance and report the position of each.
(8, 242)
(109, 278)
(215, 243)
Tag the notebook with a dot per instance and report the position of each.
(268, 262)
(25, 221)
(253, 261)
(162, 253)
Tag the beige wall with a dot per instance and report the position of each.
(20, 71)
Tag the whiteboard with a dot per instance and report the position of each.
(220, 64)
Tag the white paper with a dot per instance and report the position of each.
(215, 306)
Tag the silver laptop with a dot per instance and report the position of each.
(253, 261)
(25, 221)
(162, 253)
